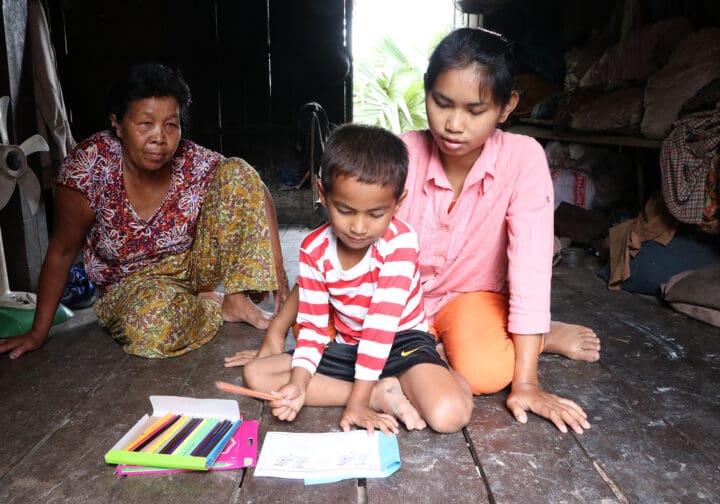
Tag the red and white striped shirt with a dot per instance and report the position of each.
(378, 297)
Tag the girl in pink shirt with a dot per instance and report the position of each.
(481, 201)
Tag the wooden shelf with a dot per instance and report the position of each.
(547, 131)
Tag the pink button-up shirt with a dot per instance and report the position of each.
(498, 237)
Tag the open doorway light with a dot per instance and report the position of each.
(391, 43)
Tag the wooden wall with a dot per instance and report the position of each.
(251, 64)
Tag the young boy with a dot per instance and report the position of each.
(362, 264)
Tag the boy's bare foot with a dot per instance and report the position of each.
(575, 342)
(388, 397)
(239, 308)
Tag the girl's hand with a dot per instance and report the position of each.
(240, 358)
(367, 418)
(560, 411)
(294, 398)
(282, 292)
(273, 344)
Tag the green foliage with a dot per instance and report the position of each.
(388, 88)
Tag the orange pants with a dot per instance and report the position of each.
(473, 330)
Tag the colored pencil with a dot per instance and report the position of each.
(220, 445)
(180, 436)
(158, 434)
(216, 439)
(195, 437)
(236, 389)
(162, 440)
(151, 431)
(207, 438)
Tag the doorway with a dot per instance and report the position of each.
(391, 43)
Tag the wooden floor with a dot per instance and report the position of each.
(653, 402)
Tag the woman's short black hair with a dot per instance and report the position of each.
(370, 154)
(485, 50)
(148, 80)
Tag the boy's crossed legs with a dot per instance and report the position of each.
(424, 393)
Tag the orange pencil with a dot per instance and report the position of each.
(236, 389)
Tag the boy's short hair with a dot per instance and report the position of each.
(370, 154)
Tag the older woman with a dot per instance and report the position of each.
(161, 222)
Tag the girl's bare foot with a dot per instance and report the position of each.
(441, 351)
(388, 397)
(575, 342)
(239, 308)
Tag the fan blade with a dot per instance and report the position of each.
(35, 143)
(4, 102)
(31, 188)
(7, 188)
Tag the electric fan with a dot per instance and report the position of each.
(17, 308)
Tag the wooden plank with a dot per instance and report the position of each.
(667, 357)
(42, 390)
(643, 457)
(532, 462)
(267, 490)
(653, 399)
(434, 468)
(62, 334)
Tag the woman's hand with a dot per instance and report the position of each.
(73, 218)
(560, 411)
(18, 345)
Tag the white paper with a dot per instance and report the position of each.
(329, 456)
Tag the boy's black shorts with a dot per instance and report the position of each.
(409, 348)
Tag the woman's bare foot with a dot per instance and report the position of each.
(388, 397)
(575, 342)
(239, 308)
(212, 296)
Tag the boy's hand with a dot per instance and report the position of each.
(294, 398)
(560, 411)
(367, 418)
